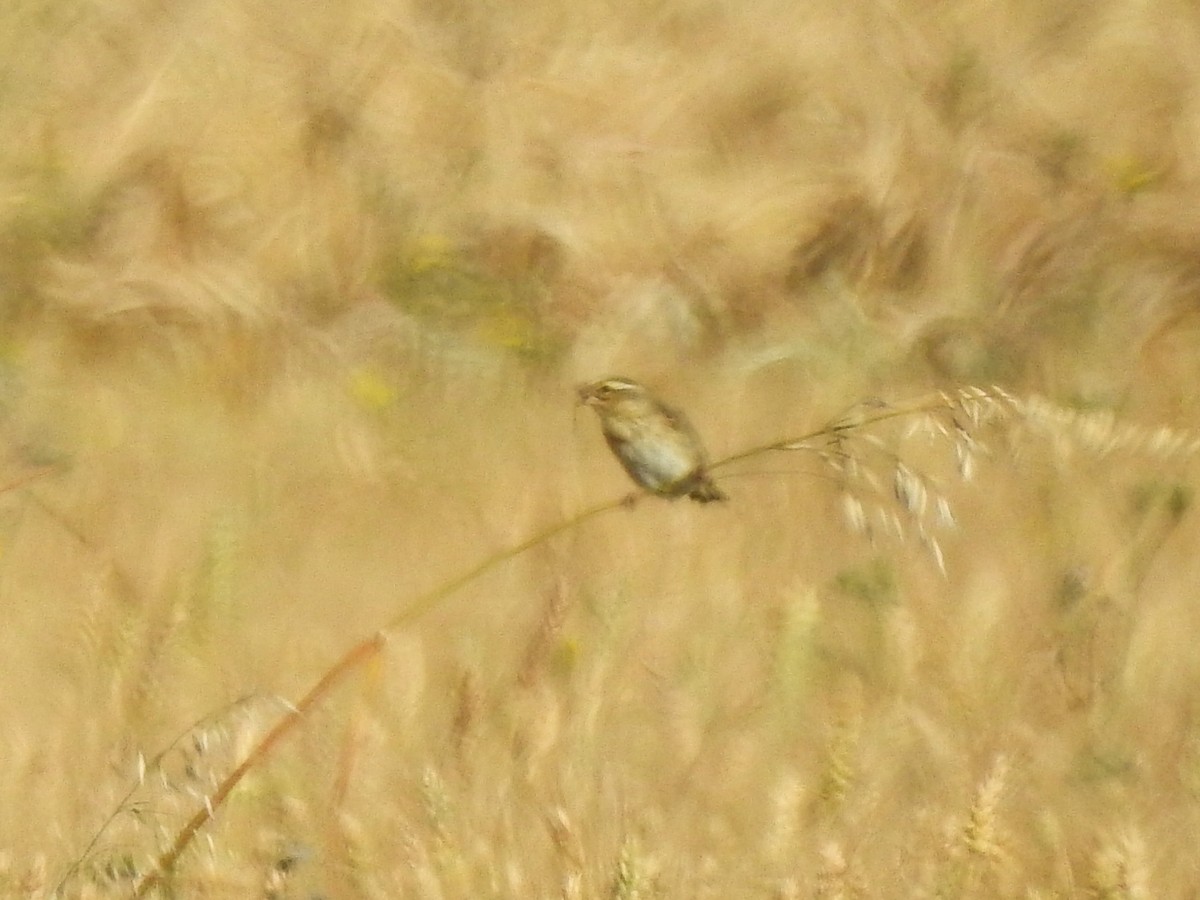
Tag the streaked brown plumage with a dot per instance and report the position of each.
(655, 444)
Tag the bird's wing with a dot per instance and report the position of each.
(681, 422)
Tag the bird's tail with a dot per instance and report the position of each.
(706, 492)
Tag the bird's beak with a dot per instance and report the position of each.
(586, 394)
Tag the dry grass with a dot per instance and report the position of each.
(293, 300)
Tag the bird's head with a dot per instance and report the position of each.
(612, 394)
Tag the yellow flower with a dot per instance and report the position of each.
(431, 252)
(370, 390)
(1132, 174)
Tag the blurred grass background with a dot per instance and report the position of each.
(293, 300)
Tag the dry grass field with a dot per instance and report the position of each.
(294, 298)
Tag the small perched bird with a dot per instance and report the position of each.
(657, 445)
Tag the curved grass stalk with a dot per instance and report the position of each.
(351, 660)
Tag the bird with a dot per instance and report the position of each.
(655, 444)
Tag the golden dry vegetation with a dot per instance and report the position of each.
(294, 297)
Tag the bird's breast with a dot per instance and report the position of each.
(656, 464)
